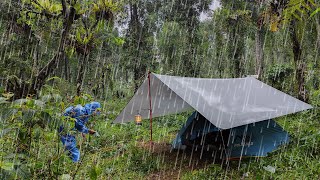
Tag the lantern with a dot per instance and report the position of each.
(138, 119)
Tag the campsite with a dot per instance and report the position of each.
(179, 89)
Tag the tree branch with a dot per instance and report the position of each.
(64, 7)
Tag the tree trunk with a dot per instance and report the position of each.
(191, 68)
(299, 63)
(316, 63)
(136, 30)
(317, 56)
(259, 40)
(237, 64)
(24, 88)
(39, 80)
(66, 68)
(258, 17)
(236, 53)
(80, 76)
(102, 86)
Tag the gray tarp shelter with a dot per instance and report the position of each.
(226, 103)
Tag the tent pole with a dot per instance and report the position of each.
(224, 147)
(150, 107)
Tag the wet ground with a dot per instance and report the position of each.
(180, 161)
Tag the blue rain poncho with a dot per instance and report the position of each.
(92, 107)
(70, 144)
(81, 114)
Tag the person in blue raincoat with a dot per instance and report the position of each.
(82, 115)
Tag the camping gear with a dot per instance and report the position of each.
(225, 103)
(138, 119)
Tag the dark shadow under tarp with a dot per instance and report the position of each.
(256, 139)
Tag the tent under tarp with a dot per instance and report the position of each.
(236, 114)
(256, 139)
(226, 103)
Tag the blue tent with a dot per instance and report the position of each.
(255, 139)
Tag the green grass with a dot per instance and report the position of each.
(121, 152)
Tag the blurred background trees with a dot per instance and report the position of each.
(99, 46)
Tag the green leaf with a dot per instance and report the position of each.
(119, 41)
(39, 103)
(30, 103)
(8, 95)
(55, 8)
(93, 173)
(62, 105)
(8, 114)
(6, 166)
(315, 12)
(297, 17)
(23, 171)
(3, 100)
(78, 36)
(86, 40)
(77, 7)
(20, 101)
(65, 177)
(4, 132)
(49, 136)
(15, 156)
(54, 78)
